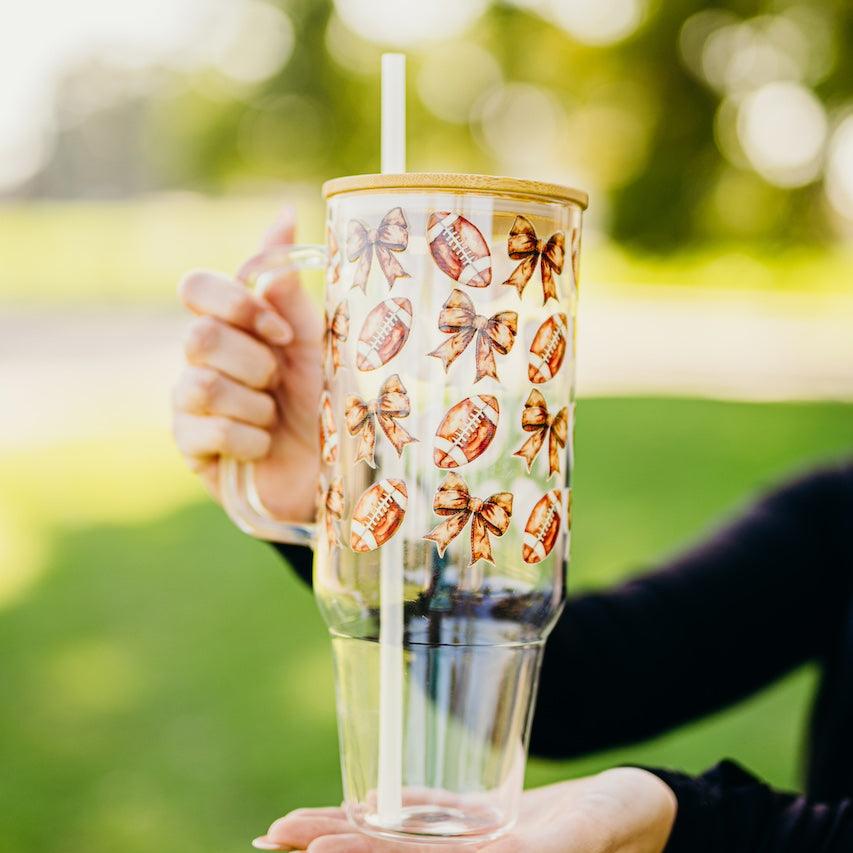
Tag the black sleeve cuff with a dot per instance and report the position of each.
(301, 559)
(728, 810)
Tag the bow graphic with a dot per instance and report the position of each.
(336, 331)
(487, 516)
(576, 255)
(494, 334)
(523, 245)
(535, 419)
(330, 507)
(392, 235)
(333, 266)
(391, 404)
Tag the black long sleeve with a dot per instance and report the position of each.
(765, 594)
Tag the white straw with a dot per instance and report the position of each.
(390, 782)
(390, 796)
(393, 113)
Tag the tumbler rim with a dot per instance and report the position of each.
(490, 184)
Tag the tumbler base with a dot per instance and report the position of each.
(433, 823)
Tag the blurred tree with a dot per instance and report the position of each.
(687, 121)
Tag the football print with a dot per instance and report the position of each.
(466, 431)
(378, 514)
(459, 249)
(386, 328)
(542, 528)
(328, 431)
(547, 349)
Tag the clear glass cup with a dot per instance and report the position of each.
(444, 507)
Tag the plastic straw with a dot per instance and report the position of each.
(389, 794)
(393, 113)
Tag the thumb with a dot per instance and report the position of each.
(283, 230)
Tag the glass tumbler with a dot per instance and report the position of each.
(444, 506)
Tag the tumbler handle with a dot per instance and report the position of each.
(237, 479)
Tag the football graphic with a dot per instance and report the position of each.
(466, 431)
(386, 328)
(542, 528)
(459, 249)
(547, 349)
(328, 431)
(378, 514)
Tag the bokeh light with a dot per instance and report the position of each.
(257, 46)
(453, 76)
(782, 129)
(598, 22)
(406, 23)
(502, 120)
(839, 168)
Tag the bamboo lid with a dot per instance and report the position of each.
(490, 184)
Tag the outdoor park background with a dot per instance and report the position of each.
(166, 682)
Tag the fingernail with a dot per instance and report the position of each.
(263, 842)
(274, 328)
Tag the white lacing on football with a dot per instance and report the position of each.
(382, 332)
(535, 542)
(553, 342)
(378, 512)
(460, 249)
(546, 523)
(468, 428)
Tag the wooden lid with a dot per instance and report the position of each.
(450, 181)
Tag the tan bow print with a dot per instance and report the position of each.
(335, 332)
(489, 516)
(392, 235)
(330, 508)
(391, 404)
(535, 419)
(524, 245)
(333, 266)
(494, 334)
(576, 255)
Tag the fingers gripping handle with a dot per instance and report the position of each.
(237, 479)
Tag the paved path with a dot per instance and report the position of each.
(101, 373)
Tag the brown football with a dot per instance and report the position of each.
(543, 527)
(328, 431)
(378, 514)
(548, 349)
(459, 249)
(386, 328)
(466, 431)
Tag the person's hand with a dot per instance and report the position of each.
(625, 810)
(251, 385)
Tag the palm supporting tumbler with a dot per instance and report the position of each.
(444, 505)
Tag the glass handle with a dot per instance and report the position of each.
(237, 479)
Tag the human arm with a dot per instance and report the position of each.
(715, 624)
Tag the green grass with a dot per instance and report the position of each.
(166, 681)
(131, 252)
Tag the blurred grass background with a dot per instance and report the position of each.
(169, 684)
(166, 682)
